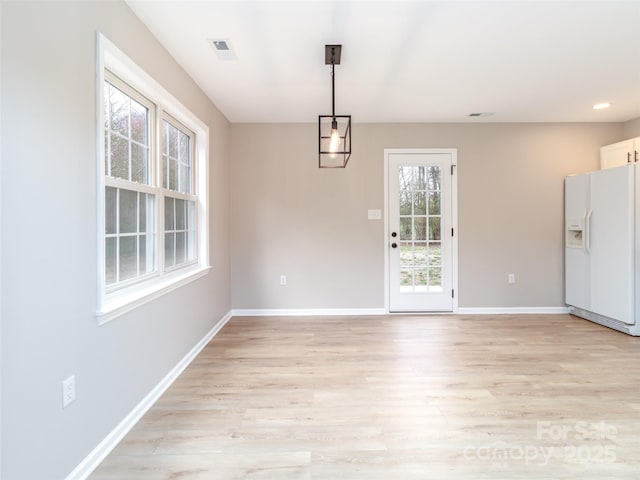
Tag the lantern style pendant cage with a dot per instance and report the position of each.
(334, 131)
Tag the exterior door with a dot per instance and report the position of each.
(420, 232)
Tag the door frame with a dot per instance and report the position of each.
(454, 218)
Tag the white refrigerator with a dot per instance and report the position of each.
(601, 228)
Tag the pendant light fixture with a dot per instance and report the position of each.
(334, 131)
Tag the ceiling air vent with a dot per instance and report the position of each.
(223, 48)
(482, 114)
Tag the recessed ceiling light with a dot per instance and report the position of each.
(223, 48)
(601, 106)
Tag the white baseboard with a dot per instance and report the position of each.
(305, 312)
(511, 310)
(98, 454)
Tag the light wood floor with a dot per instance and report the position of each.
(396, 397)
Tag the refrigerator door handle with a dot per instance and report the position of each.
(587, 231)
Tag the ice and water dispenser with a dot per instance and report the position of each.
(574, 235)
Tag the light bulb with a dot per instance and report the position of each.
(334, 142)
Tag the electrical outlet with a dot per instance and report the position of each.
(283, 279)
(511, 278)
(68, 390)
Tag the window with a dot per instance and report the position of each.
(153, 231)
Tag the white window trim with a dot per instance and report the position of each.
(113, 304)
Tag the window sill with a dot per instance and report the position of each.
(118, 304)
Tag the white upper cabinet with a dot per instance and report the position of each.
(621, 153)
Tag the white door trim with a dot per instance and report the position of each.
(454, 215)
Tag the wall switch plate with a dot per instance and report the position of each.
(374, 214)
(283, 279)
(68, 390)
(511, 278)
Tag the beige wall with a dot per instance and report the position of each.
(289, 217)
(49, 259)
(631, 129)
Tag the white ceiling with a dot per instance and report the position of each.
(409, 61)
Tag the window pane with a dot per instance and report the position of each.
(110, 260)
(119, 157)
(142, 253)
(169, 215)
(176, 164)
(173, 174)
(110, 210)
(185, 179)
(181, 246)
(128, 211)
(147, 253)
(139, 122)
(174, 142)
(191, 215)
(168, 250)
(119, 111)
(191, 246)
(139, 163)
(142, 214)
(165, 171)
(180, 214)
(128, 260)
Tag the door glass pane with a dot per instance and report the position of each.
(435, 259)
(435, 278)
(434, 203)
(405, 203)
(406, 279)
(419, 228)
(405, 228)
(420, 277)
(406, 256)
(420, 255)
(434, 178)
(405, 178)
(434, 228)
(419, 178)
(419, 203)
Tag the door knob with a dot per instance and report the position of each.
(394, 234)
(394, 245)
